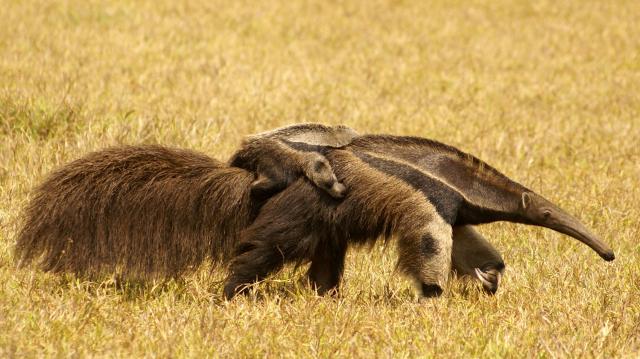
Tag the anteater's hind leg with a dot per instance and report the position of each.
(265, 248)
(327, 266)
(425, 255)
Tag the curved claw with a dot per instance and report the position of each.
(490, 279)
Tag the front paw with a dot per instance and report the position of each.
(490, 279)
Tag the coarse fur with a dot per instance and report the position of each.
(144, 211)
(315, 134)
(277, 163)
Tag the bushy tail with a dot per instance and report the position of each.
(145, 211)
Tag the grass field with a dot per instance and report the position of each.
(548, 92)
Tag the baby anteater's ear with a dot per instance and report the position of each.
(319, 171)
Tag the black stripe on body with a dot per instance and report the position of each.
(417, 148)
(446, 200)
(449, 202)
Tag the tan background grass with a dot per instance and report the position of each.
(546, 91)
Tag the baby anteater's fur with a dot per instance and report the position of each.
(273, 157)
(282, 166)
(141, 211)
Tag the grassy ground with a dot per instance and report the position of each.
(548, 92)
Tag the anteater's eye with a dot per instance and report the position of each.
(546, 214)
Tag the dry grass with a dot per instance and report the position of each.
(548, 92)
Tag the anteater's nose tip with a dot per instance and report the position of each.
(608, 256)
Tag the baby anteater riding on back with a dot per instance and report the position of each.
(278, 164)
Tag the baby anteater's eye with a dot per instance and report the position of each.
(319, 166)
(327, 185)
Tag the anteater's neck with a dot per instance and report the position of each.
(499, 207)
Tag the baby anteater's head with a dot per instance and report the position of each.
(319, 171)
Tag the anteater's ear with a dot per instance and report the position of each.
(526, 200)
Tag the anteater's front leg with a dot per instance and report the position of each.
(425, 254)
(474, 256)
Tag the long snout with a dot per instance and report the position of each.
(565, 223)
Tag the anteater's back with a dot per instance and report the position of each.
(141, 211)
